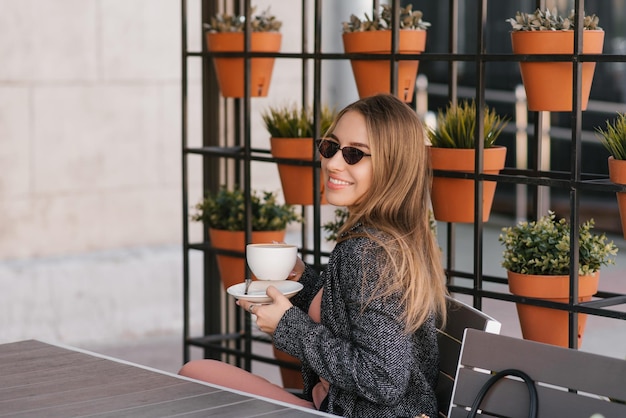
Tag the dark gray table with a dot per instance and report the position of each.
(44, 380)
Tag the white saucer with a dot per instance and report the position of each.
(256, 292)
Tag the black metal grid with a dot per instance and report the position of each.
(243, 154)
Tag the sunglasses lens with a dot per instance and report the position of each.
(327, 148)
(352, 155)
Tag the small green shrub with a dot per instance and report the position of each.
(543, 247)
(226, 210)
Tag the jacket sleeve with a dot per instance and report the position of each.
(362, 350)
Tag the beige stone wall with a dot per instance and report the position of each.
(89, 125)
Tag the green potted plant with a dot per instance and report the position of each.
(373, 36)
(537, 259)
(452, 149)
(614, 140)
(225, 33)
(224, 214)
(291, 137)
(549, 84)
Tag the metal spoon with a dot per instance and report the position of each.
(247, 281)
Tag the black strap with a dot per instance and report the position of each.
(530, 385)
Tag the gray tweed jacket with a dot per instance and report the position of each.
(373, 367)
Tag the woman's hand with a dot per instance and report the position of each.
(268, 315)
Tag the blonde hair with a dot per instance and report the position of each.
(398, 204)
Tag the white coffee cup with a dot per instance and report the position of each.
(271, 261)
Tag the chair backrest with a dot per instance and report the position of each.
(450, 337)
(570, 383)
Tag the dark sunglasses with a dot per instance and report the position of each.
(350, 154)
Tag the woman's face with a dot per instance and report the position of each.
(346, 184)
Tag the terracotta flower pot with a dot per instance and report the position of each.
(547, 325)
(230, 71)
(617, 174)
(453, 199)
(549, 84)
(297, 181)
(373, 77)
(233, 269)
(292, 379)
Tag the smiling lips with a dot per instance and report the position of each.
(337, 183)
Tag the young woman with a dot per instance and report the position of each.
(364, 329)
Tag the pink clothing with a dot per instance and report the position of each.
(227, 375)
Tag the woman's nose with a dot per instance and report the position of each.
(336, 162)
